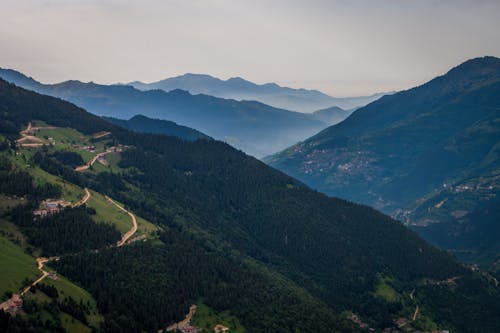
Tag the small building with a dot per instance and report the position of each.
(40, 213)
(53, 275)
(189, 329)
(15, 303)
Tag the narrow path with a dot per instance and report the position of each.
(28, 129)
(185, 322)
(101, 135)
(40, 263)
(91, 162)
(132, 231)
(415, 314)
(29, 140)
(84, 200)
(43, 260)
(411, 294)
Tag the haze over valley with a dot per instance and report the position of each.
(333, 167)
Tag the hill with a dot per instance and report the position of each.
(237, 88)
(231, 232)
(428, 155)
(256, 128)
(332, 115)
(144, 124)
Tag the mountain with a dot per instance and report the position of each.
(428, 155)
(143, 124)
(251, 246)
(332, 115)
(256, 128)
(301, 100)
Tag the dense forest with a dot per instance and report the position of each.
(240, 236)
(70, 231)
(181, 272)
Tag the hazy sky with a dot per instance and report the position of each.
(343, 48)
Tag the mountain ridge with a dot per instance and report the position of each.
(241, 236)
(255, 127)
(296, 99)
(409, 146)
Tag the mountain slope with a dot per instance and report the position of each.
(256, 128)
(246, 238)
(302, 100)
(332, 115)
(143, 124)
(408, 147)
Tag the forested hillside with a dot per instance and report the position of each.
(256, 128)
(144, 124)
(428, 156)
(236, 235)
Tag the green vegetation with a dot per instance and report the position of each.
(106, 212)
(70, 231)
(68, 289)
(236, 234)
(385, 291)
(73, 325)
(407, 152)
(7, 203)
(206, 319)
(16, 267)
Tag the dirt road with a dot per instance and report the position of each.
(186, 321)
(84, 200)
(91, 162)
(415, 314)
(132, 231)
(40, 263)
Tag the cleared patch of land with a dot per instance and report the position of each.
(15, 267)
(207, 319)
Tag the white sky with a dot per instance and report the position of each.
(343, 48)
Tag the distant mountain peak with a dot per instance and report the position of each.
(238, 88)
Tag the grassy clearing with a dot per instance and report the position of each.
(206, 319)
(37, 296)
(145, 227)
(67, 289)
(64, 138)
(108, 213)
(73, 325)
(7, 203)
(15, 267)
(61, 135)
(10, 231)
(70, 192)
(385, 291)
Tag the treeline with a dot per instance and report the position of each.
(332, 247)
(31, 320)
(21, 183)
(19, 106)
(53, 165)
(228, 202)
(145, 287)
(70, 231)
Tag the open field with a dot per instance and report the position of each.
(385, 291)
(15, 266)
(68, 289)
(73, 325)
(206, 319)
(108, 213)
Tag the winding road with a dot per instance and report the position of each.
(84, 200)
(132, 231)
(92, 161)
(43, 260)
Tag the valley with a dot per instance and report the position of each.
(199, 239)
(427, 156)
